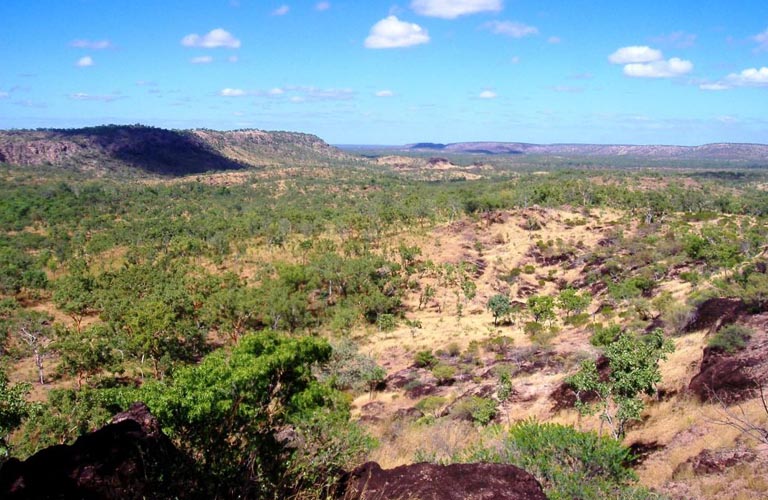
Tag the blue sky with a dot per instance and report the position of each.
(378, 72)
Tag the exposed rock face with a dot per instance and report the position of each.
(730, 378)
(711, 462)
(129, 458)
(160, 151)
(442, 482)
(715, 313)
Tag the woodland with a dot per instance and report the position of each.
(286, 323)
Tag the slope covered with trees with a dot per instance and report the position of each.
(286, 324)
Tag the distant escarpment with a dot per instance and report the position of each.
(722, 151)
(160, 151)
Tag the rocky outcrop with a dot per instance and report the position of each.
(729, 378)
(714, 313)
(159, 151)
(442, 482)
(129, 458)
(712, 462)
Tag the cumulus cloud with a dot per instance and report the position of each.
(201, 60)
(276, 91)
(228, 92)
(554, 40)
(91, 44)
(4, 95)
(211, 40)
(762, 41)
(384, 93)
(511, 28)
(233, 59)
(751, 77)
(390, 33)
(487, 94)
(635, 54)
(451, 9)
(281, 11)
(659, 69)
(322, 6)
(84, 62)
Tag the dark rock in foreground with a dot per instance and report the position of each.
(442, 482)
(129, 458)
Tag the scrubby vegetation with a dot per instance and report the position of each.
(284, 325)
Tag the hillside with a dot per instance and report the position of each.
(723, 151)
(159, 151)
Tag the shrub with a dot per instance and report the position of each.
(731, 338)
(425, 359)
(431, 405)
(577, 319)
(480, 410)
(568, 463)
(604, 335)
(453, 349)
(443, 373)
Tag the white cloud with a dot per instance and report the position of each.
(487, 94)
(384, 93)
(659, 69)
(714, 86)
(233, 59)
(635, 54)
(391, 33)
(201, 60)
(322, 6)
(213, 39)
(451, 9)
(228, 92)
(281, 11)
(297, 99)
(84, 62)
(554, 40)
(762, 41)
(567, 89)
(751, 77)
(515, 60)
(4, 95)
(82, 96)
(276, 91)
(511, 28)
(92, 44)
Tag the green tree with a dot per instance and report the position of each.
(265, 384)
(572, 302)
(74, 295)
(87, 352)
(634, 370)
(14, 408)
(499, 306)
(542, 308)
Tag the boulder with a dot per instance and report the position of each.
(425, 481)
(130, 458)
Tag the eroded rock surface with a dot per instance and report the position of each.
(442, 482)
